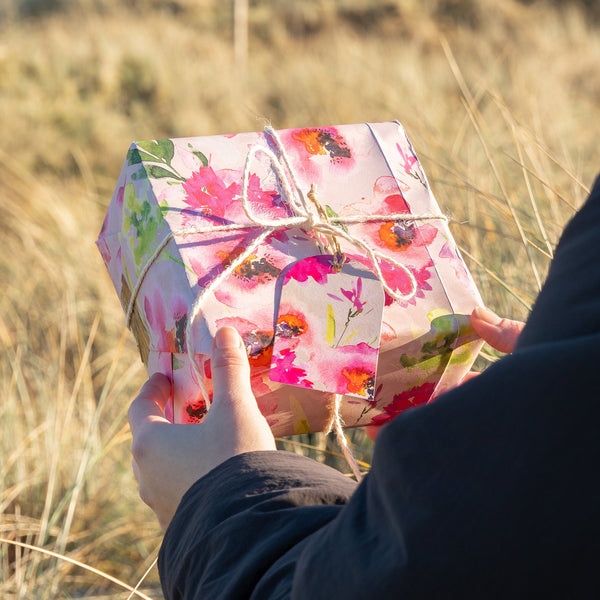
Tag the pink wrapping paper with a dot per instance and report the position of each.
(410, 354)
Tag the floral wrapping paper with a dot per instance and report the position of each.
(420, 347)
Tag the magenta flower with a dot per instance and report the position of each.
(160, 317)
(264, 201)
(208, 192)
(284, 370)
(409, 159)
(317, 267)
(353, 295)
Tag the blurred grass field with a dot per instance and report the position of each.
(499, 98)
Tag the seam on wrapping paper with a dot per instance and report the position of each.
(400, 190)
(373, 133)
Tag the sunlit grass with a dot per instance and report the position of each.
(498, 99)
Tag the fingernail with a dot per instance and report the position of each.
(485, 314)
(227, 337)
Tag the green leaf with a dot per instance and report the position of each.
(139, 174)
(163, 207)
(201, 156)
(330, 332)
(145, 217)
(136, 156)
(133, 157)
(161, 149)
(333, 215)
(158, 172)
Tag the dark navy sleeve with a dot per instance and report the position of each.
(492, 491)
(238, 530)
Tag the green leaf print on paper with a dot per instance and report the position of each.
(155, 158)
(145, 219)
(161, 149)
(158, 172)
(330, 331)
(201, 156)
(440, 345)
(135, 156)
(333, 215)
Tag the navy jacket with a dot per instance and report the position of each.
(492, 491)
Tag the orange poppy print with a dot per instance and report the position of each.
(323, 141)
(397, 236)
(360, 380)
(290, 325)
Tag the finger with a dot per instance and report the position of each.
(230, 368)
(501, 334)
(150, 402)
(470, 375)
(372, 431)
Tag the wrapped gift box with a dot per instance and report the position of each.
(325, 204)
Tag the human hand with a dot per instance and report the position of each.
(501, 334)
(168, 458)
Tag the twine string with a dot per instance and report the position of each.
(316, 221)
(336, 424)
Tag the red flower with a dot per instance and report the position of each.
(404, 400)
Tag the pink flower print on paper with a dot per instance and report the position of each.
(284, 370)
(399, 236)
(292, 329)
(258, 342)
(397, 278)
(357, 307)
(173, 339)
(408, 162)
(256, 270)
(404, 400)
(350, 369)
(396, 203)
(265, 202)
(354, 296)
(209, 193)
(120, 197)
(408, 159)
(402, 234)
(317, 267)
(253, 270)
(317, 152)
(291, 325)
(447, 251)
(195, 411)
(104, 249)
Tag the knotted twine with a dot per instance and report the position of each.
(313, 219)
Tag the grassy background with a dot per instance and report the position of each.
(498, 97)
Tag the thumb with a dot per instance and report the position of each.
(501, 334)
(230, 368)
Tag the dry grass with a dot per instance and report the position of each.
(498, 99)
